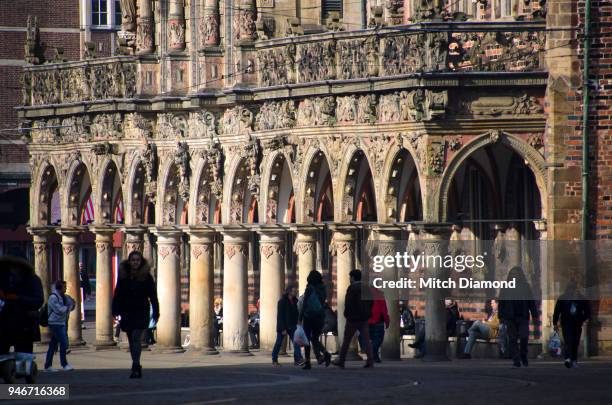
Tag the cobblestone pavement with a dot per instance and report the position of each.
(102, 377)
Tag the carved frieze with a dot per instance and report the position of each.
(481, 104)
(415, 105)
(213, 165)
(276, 65)
(316, 61)
(45, 131)
(357, 109)
(317, 111)
(244, 21)
(358, 58)
(276, 115)
(236, 120)
(75, 129)
(136, 126)
(202, 124)
(171, 126)
(106, 126)
(181, 160)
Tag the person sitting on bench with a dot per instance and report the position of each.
(487, 329)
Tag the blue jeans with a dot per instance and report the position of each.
(59, 336)
(297, 352)
(377, 335)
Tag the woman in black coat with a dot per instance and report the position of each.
(135, 294)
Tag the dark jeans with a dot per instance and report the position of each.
(518, 329)
(571, 339)
(349, 332)
(58, 336)
(313, 328)
(135, 342)
(377, 335)
(297, 352)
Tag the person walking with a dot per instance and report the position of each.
(357, 313)
(378, 322)
(286, 322)
(487, 329)
(571, 311)
(312, 317)
(59, 306)
(21, 296)
(515, 306)
(134, 295)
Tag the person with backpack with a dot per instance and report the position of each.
(357, 312)
(135, 294)
(312, 318)
(514, 308)
(571, 311)
(59, 306)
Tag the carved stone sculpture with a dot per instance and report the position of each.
(202, 124)
(181, 160)
(170, 126)
(276, 115)
(236, 120)
(317, 111)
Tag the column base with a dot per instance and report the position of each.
(242, 352)
(77, 344)
(167, 350)
(205, 351)
(435, 351)
(106, 345)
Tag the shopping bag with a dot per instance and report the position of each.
(299, 337)
(554, 344)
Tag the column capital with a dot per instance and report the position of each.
(71, 232)
(39, 231)
(235, 234)
(342, 241)
(102, 230)
(134, 230)
(167, 234)
(201, 235)
(435, 231)
(271, 235)
(386, 232)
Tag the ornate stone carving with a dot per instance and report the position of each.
(302, 247)
(32, 46)
(265, 26)
(337, 248)
(402, 55)
(478, 104)
(435, 157)
(149, 160)
(213, 164)
(137, 127)
(181, 160)
(44, 131)
(170, 126)
(176, 34)
(536, 141)
(358, 58)
(316, 61)
(276, 65)
(75, 129)
(252, 152)
(106, 126)
(144, 35)
(268, 249)
(167, 250)
(69, 250)
(102, 149)
(317, 111)
(275, 115)
(377, 147)
(102, 246)
(244, 21)
(358, 110)
(415, 105)
(202, 124)
(198, 250)
(236, 120)
(231, 249)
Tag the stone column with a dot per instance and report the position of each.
(134, 240)
(434, 241)
(70, 247)
(201, 292)
(387, 245)
(209, 24)
(41, 266)
(272, 280)
(305, 248)
(104, 287)
(548, 304)
(176, 26)
(168, 291)
(235, 303)
(244, 20)
(343, 247)
(144, 28)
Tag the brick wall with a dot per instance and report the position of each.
(51, 13)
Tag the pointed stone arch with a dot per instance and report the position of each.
(357, 176)
(313, 180)
(277, 189)
(46, 185)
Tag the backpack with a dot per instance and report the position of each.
(43, 313)
(314, 308)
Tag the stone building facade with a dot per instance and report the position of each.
(265, 135)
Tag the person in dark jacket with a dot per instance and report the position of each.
(378, 322)
(357, 313)
(135, 294)
(514, 308)
(312, 317)
(571, 311)
(286, 322)
(21, 296)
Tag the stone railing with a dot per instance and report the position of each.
(401, 50)
(70, 82)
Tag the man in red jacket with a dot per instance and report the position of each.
(378, 322)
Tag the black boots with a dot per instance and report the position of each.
(136, 371)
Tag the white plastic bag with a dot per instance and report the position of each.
(554, 344)
(299, 337)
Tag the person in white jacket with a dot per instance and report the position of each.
(59, 305)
